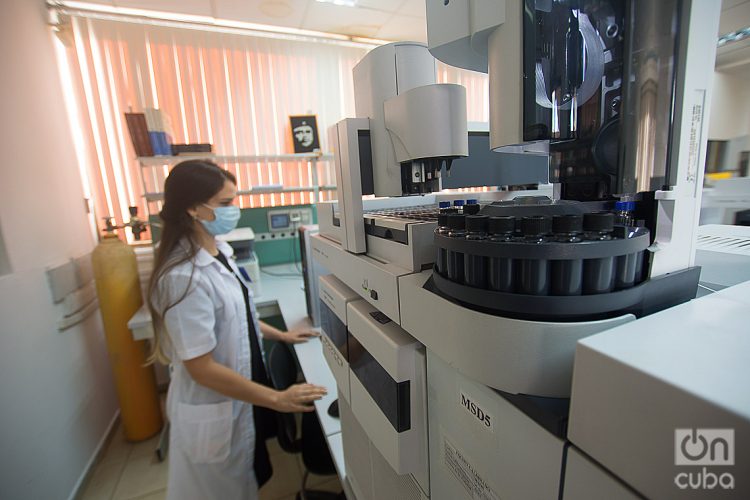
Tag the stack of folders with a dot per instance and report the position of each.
(151, 132)
(159, 131)
(139, 134)
(201, 150)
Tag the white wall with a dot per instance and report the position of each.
(56, 391)
(730, 107)
(4, 261)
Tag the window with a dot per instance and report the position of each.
(231, 90)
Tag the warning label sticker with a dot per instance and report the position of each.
(464, 472)
(696, 129)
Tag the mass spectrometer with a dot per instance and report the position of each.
(614, 94)
(609, 96)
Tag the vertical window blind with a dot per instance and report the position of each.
(231, 90)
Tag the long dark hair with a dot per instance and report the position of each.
(190, 183)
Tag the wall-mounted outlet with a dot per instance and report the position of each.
(281, 235)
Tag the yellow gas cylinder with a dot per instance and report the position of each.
(119, 291)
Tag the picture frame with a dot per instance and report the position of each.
(305, 136)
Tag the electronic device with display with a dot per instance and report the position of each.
(288, 219)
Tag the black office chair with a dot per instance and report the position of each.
(282, 367)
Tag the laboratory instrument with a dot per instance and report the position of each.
(610, 97)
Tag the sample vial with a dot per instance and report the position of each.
(624, 211)
(459, 204)
(567, 274)
(534, 273)
(455, 263)
(598, 225)
(500, 269)
(442, 254)
(475, 266)
(598, 274)
(471, 209)
(639, 267)
(625, 273)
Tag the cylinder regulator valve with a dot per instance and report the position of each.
(136, 225)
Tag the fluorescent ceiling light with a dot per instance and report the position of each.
(345, 3)
(735, 36)
(101, 11)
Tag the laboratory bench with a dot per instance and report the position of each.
(282, 293)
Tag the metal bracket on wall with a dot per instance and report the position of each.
(72, 286)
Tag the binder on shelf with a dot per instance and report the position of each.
(159, 143)
(139, 134)
(158, 121)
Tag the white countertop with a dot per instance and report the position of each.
(289, 293)
(316, 371)
(283, 285)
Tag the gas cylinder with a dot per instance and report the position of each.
(119, 292)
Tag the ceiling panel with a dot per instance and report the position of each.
(742, 72)
(289, 13)
(385, 19)
(733, 56)
(384, 5)
(728, 4)
(413, 8)
(404, 28)
(734, 18)
(194, 7)
(345, 20)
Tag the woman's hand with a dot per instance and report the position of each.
(299, 335)
(296, 336)
(298, 398)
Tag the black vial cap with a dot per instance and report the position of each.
(536, 225)
(442, 220)
(567, 223)
(476, 223)
(471, 209)
(598, 221)
(502, 225)
(456, 221)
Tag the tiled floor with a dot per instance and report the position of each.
(128, 471)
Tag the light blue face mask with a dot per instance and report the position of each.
(225, 219)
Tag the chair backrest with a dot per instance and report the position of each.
(282, 368)
(315, 454)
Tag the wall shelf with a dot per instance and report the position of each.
(151, 161)
(154, 170)
(301, 189)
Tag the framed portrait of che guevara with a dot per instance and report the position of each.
(304, 133)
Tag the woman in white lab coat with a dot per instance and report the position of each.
(205, 324)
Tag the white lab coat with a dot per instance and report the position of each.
(212, 437)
